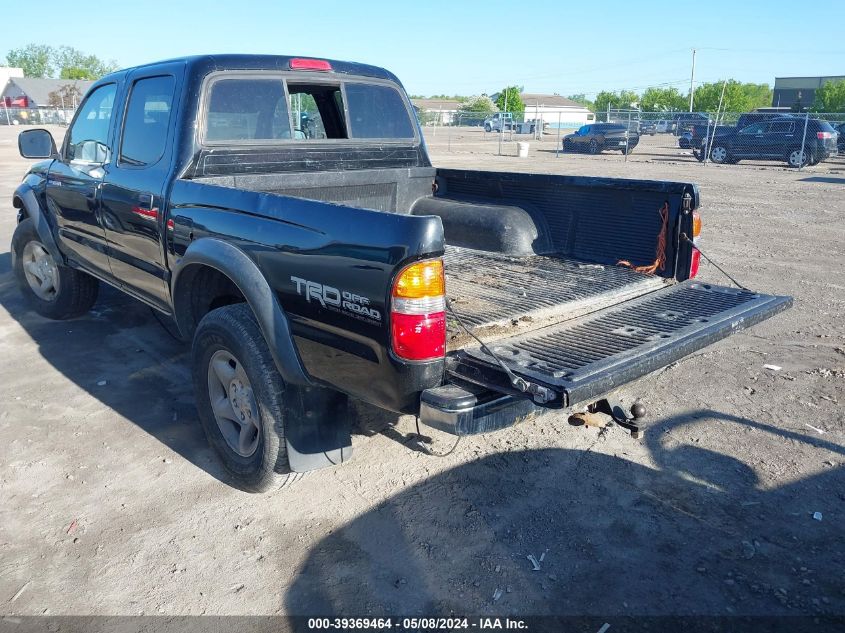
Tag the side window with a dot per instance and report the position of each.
(781, 127)
(757, 128)
(147, 120)
(88, 137)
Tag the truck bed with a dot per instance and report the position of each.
(502, 295)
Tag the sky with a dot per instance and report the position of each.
(466, 47)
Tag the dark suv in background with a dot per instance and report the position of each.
(779, 138)
(598, 137)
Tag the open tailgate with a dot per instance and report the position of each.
(584, 358)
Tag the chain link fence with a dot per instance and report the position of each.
(795, 139)
(34, 116)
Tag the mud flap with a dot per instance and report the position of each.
(587, 357)
(317, 428)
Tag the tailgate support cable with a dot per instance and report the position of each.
(540, 394)
(719, 268)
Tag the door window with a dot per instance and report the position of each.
(781, 127)
(88, 136)
(147, 120)
(757, 128)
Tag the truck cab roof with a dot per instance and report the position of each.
(204, 64)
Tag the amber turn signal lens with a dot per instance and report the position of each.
(422, 279)
(696, 224)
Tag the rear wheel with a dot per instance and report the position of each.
(798, 158)
(719, 154)
(53, 290)
(240, 398)
(594, 147)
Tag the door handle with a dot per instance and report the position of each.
(145, 200)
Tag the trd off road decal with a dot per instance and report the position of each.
(337, 300)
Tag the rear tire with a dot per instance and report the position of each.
(797, 159)
(233, 369)
(594, 147)
(52, 289)
(719, 154)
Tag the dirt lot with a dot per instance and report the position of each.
(111, 502)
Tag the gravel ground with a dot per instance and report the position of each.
(111, 502)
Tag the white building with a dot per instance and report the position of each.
(555, 110)
(7, 73)
(437, 111)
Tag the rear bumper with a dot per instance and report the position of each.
(465, 410)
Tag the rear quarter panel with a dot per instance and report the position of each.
(312, 254)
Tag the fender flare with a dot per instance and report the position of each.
(33, 209)
(317, 431)
(244, 273)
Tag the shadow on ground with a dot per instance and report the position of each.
(146, 371)
(698, 534)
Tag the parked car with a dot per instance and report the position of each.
(187, 185)
(648, 127)
(665, 126)
(685, 120)
(685, 140)
(597, 137)
(840, 141)
(779, 138)
(499, 121)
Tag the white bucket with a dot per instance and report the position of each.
(522, 150)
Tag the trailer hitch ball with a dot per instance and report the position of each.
(638, 410)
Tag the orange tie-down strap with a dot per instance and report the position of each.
(660, 260)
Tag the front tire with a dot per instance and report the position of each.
(240, 398)
(594, 147)
(488, 128)
(52, 289)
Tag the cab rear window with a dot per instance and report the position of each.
(272, 108)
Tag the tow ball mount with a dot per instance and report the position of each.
(631, 419)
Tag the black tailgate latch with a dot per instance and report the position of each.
(539, 393)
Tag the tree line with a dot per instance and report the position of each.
(738, 97)
(63, 62)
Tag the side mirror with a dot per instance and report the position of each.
(37, 144)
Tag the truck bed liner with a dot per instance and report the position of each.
(501, 295)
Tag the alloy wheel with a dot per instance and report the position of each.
(233, 403)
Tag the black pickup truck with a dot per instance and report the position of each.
(283, 212)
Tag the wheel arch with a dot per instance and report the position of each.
(219, 261)
(317, 429)
(25, 200)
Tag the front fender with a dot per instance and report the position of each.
(24, 197)
(244, 273)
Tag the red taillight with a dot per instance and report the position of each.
(299, 63)
(419, 336)
(824, 135)
(695, 263)
(418, 312)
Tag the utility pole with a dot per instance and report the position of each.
(692, 81)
